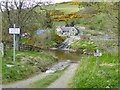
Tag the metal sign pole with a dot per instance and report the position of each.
(14, 31)
(14, 46)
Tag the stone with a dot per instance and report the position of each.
(59, 66)
(9, 65)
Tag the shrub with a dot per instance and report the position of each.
(58, 39)
(75, 3)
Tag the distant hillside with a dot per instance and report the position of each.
(96, 22)
(65, 7)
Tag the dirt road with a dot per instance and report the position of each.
(60, 83)
(63, 81)
(25, 83)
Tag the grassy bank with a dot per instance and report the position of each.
(45, 82)
(0, 67)
(27, 64)
(102, 75)
(88, 75)
(83, 46)
(107, 46)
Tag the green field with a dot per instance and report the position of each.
(67, 8)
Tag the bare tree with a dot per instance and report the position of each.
(18, 12)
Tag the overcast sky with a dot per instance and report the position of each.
(56, 1)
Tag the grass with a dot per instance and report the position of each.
(97, 25)
(88, 75)
(56, 23)
(86, 45)
(27, 64)
(45, 82)
(107, 46)
(0, 67)
(67, 8)
(102, 75)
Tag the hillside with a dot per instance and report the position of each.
(67, 8)
(96, 23)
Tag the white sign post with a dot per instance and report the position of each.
(97, 54)
(14, 31)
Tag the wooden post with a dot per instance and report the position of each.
(97, 61)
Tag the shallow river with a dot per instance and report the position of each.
(65, 55)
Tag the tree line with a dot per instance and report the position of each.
(24, 14)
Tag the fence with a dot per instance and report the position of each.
(25, 47)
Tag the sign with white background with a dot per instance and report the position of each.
(14, 30)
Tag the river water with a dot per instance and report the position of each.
(65, 55)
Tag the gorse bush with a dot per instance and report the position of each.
(73, 15)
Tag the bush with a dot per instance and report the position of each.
(58, 39)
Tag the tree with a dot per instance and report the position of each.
(72, 23)
(48, 21)
(66, 24)
(18, 12)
